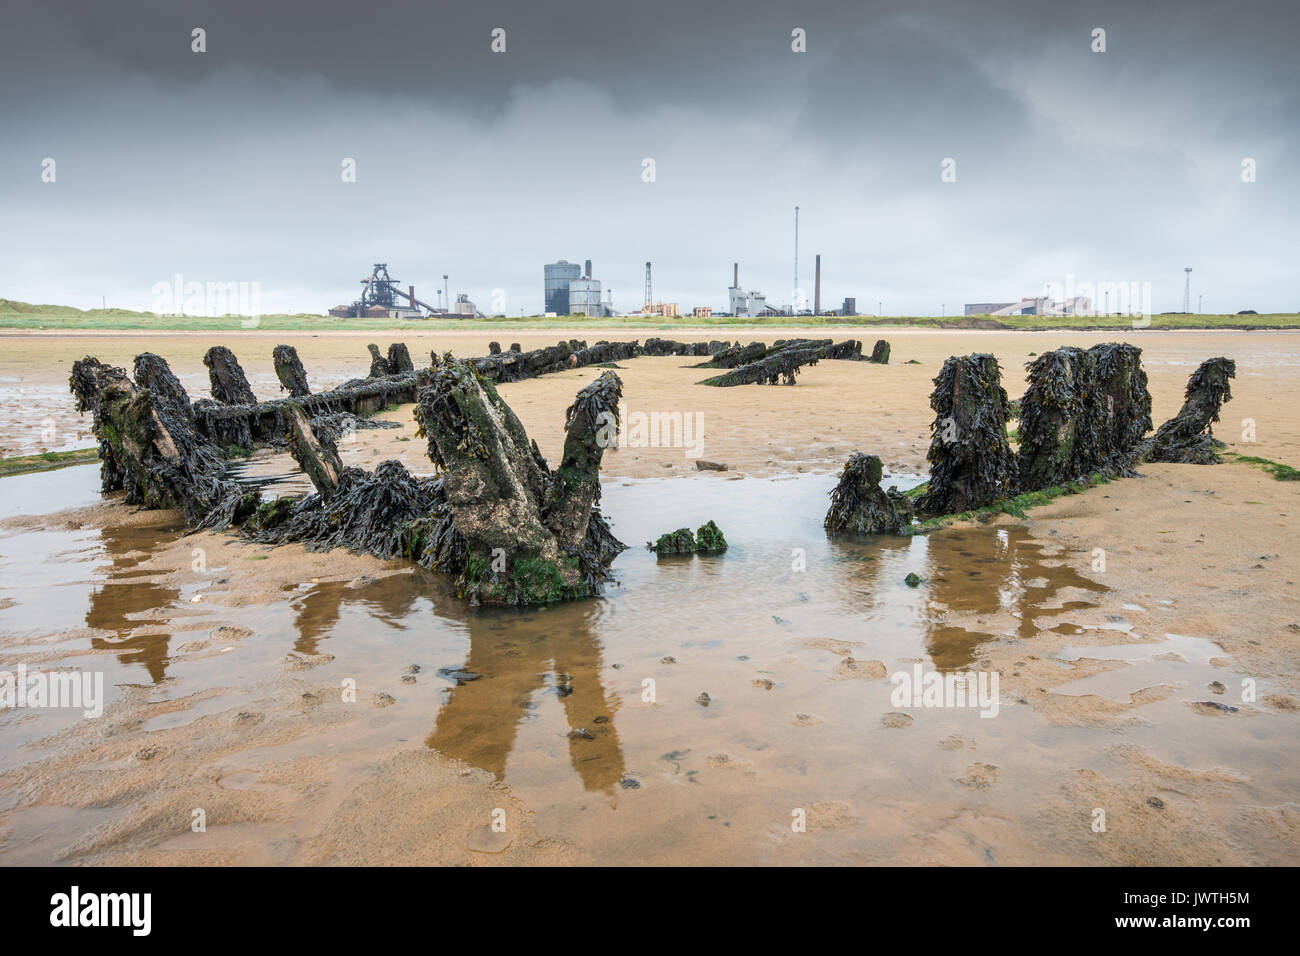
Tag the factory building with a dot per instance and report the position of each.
(570, 290)
(558, 275)
(1033, 305)
(740, 302)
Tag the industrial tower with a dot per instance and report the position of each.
(1187, 291)
(794, 295)
(649, 296)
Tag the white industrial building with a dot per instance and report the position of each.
(1033, 305)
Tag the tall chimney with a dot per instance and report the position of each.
(735, 275)
(817, 294)
(412, 297)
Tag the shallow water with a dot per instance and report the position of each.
(591, 711)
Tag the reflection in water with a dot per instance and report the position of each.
(985, 571)
(517, 657)
(123, 601)
(392, 599)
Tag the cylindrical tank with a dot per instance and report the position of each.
(584, 297)
(558, 275)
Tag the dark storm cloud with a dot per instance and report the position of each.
(1113, 167)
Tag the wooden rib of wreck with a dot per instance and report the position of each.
(971, 463)
(229, 384)
(735, 355)
(661, 347)
(1085, 412)
(289, 370)
(1188, 437)
(496, 516)
(149, 446)
(244, 426)
(782, 363)
(515, 366)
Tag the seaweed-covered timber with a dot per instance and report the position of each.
(317, 456)
(244, 426)
(149, 445)
(971, 463)
(229, 384)
(782, 362)
(655, 346)
(735, 355)
(1084, 412)
(528, 536)
(860, 506)
(515, 366)
(880, 353)
(379, 366)
(513, 531)
(399, 359)
(1188, 437)
(289, 370)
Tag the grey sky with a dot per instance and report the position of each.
(225, 166)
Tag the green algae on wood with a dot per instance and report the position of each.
(709, 539)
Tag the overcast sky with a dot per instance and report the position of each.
(225, 166)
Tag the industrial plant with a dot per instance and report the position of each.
(380, 295)
(570, 290)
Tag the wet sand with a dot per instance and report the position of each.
(233, 703)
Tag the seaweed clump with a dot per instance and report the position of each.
(860, 506)
(707, 539)
(681, 541)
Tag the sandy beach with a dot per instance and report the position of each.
(1159, 685)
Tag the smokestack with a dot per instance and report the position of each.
(735, 275)
(817, 293)
(412, 297)
(588, 269)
